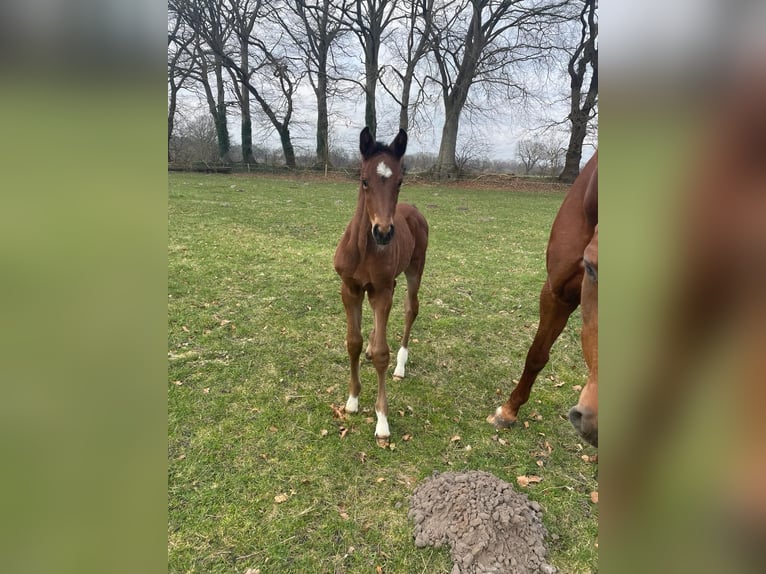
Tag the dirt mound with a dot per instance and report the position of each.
(489, 526)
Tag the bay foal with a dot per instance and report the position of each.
(382, 240)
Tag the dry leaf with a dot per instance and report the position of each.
(378, 570)
(539, 463)
(338, 412)
(502, 441)
(343, 514)
(185, 329)
(380, 479)
(557, 385)
(526, 424)
(455, 438)
(392, 446)
(252, 571)
(272, 428)
(280, 498)
(526, 480)
(323, 432)
(407, 438)
(369, 420)
(401, 413)
(594, 497)
(363, 457)
(331, 390)
(468, 447)
(577, 388)
(178, 383)
(343, 432)
(206, 390)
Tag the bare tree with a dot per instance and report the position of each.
(583, 104)
(208, 18)
(178, 74)
(317, 28)
(481, 41)
(243, 15)
(370, 20)
(530, 153)
(411, 46)
(203, 62)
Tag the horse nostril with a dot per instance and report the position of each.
(575, 417)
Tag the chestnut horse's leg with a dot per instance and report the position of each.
(554, 314)
(411, 307)
(352, 302)
(381, 300)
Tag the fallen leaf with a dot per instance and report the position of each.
(407, 438)
(526, 424)
(455, 438)
(178, 383)
(323, 432)
(594, 497)
(363, 457)
(378, 570)
(272, 428)
(539, 463)
(369, 420)
(526, 480)
(331, 390)
(557, 385)
(577, 388)
(338, 412)
(280, 498)
(253, 571)
(380, 479)
(206, 390)
(343, 514)
(502, 441)
(343, 432)
(185, 329)
(392, 446)
(468, 447)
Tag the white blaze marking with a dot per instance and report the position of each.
(401, 361)
(352, 404)
(381, 428)
(383, 170)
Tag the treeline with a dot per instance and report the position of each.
(271, 62)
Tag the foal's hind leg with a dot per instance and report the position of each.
(411, 307)
(554, 314)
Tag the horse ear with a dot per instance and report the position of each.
(399, 145)
(366, 143)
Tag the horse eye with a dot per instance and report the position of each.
(591, 271)
(364, 183)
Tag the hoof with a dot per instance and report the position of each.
(397, 377)
(383, 441)
(501, 421)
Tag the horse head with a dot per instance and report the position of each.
(381, 178)
(584, 415)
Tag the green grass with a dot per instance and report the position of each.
(256, 358)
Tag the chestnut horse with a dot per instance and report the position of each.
(572, 265)
(382, 240)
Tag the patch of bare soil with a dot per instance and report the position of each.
(489, 527)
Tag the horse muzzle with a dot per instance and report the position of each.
(382, 237)
(585, 423)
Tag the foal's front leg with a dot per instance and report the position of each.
(381, 306)
(352, 302)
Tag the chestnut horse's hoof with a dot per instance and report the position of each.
(383, 441)
(501, 420)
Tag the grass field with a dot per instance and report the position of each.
(261, 476)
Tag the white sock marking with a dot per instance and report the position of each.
(381, 428)
(401, 361)
(383, 170)
(352, 404)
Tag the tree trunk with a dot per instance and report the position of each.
(247, 125)
(171, 119)
(446, 166)
(323, 124)
(221, 127)
(574, 149)
(287, 146)
(404, 111)
(370, 85)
